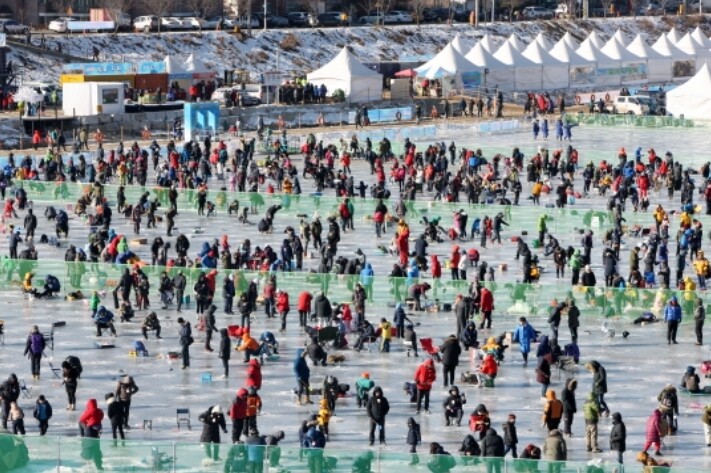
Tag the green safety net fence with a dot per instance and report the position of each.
(512, 300)
(649, 121)
(50, 453)
(520, 218)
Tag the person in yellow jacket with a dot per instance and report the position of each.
(386, 335)
(659, 214)
(701, 265)
(27, 283)
(685, 220)
(287, 186)
(536, 192)
(324, 416)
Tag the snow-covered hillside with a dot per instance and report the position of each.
(306, 49)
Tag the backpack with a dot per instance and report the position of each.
(75, 363)
(140, 348)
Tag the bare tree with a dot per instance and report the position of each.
(116, 8)
(417, 8)
(158, 8)
(204, 8)
(511, 6)
(311, 6)
(382, 7)
(605, 7)
(61, 6)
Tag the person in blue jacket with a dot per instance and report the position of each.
(302, 373)
(104, 320)
(672, 317)
(524, 335)
(366, 279)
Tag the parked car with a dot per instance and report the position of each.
(633, 105)
(273, 21)
(219, 95)
(371, 19)
(705, 6)
(60, 25)
(9, 26)
(398, 16)
(246, 22)
(537, 13)
(298, 18)
(197, 23)
(46, 89)
(145, 24)
(435, 14)
(325, 19)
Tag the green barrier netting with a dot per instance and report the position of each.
(50, 453)
(511, 299)
(520, 218)
(649, 121)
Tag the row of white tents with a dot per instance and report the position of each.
(593, 62)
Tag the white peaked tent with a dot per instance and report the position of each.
(564, 53)
(593, 54)
(555, 72)
(691, 47)
(516, 43)
(595, 39)
(634, 67)
(570, 41)
(195, 65)
(667, 49)
(700, 38)
(673, 36)
(543, 41)
(619, 36)
(496, 73)
(488, 43)
(173, 67)
(527, 74)
(447, 63)
(659, 67)
(345, 72)
(459, 45)
(692, 98)
(617, 51)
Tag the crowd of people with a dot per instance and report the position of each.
(436, 172)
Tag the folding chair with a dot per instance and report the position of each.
(182, 416)
(56, 372)
(26, 391)
(49, 339)
(567, 364)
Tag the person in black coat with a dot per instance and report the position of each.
(213, 420)
(618, 436)
(378, 408)
(245, 310)
(414, 437)
(186, 339)
(510, 436)
(322, 308)
(454, 406)
(9, 392)
(316, 352)
(225, 351)
(115, 412)
(569, 405)
(573, 320)
(449, 352)
(210, 326)
(493, 446)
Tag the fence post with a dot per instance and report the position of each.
(175, 459)
(59, 454)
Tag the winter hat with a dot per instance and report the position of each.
(366, 375)
(216, 410)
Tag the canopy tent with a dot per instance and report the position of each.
(564, 53)
(691, 47)
(543, 41)
(450, 63)
(595, 39)
(673, 36)
(459, 45)
(555, 72)
(630, 68)
(659, 67)
(447, 62)
(605, 66)
(692, 98)
(619, 36)
(700, 38)
(175, 69)
(527, 74)
(345, 72)
(488, 43)
(683, 63)
(616, 50)
(569, 40)
(198, 68)
(517, 44)
(496, 73)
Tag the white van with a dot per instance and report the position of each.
(633, 105)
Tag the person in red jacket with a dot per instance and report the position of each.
(454, 262)
(90, 420)
(36, 139)
(282, 306)
(238, 413)
(425, 376)
(488, 370)
(303, 305)
(254, 374)
(486, 305)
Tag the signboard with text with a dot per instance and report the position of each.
(99, 68)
